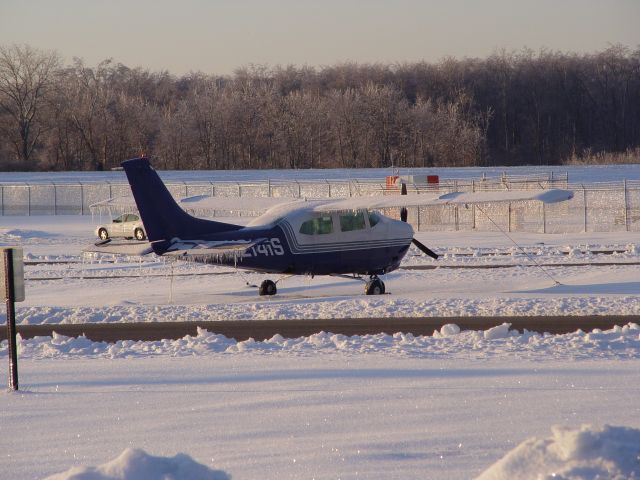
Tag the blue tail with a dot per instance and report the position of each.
(162, 217)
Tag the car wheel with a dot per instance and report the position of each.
(139, 234)
(103, 234)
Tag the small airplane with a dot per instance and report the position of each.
(345, 237)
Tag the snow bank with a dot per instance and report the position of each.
(617, 343)
(336, 307)
(135, 464)
(577, 454)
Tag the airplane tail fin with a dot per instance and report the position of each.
(162, 217)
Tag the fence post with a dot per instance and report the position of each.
(584, 201)
(418, 218)
(55, 199)
(509, 211)
(544, 217)
(29, 200)
(81, 199)
(456, 216)
(626, 207)
(473, 216)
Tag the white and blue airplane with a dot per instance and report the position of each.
(325, 237)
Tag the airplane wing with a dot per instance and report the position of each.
(453, 198)
(120, 248)
(199, 203)
(233, 204)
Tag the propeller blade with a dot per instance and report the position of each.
(403, 189)
(426, 250)
(404, 214)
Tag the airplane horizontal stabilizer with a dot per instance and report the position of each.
(180, 248)
(120, 248)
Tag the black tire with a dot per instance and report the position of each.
(268, 287)
(374, 287)
(139, 234)
(103, 234)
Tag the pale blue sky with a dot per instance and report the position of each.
(217, 36)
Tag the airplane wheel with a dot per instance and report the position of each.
(268, 287)
(103, 234)
(139, 234)
(374, 287)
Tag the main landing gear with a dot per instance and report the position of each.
(374, 286)
(268, 287)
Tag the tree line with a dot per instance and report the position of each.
(510, 108)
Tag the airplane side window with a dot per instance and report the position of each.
(352, 221)
(374, 219)
(325, 225)
(317, 226)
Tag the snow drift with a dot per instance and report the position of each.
(581, 453)
(135, 464)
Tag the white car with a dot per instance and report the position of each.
(127, 225)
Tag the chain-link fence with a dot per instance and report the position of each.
(601, 207)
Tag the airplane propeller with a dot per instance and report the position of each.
(403, 216)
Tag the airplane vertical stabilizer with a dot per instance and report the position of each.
(162, 217)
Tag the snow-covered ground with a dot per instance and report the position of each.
(575, 173)
(326, 406)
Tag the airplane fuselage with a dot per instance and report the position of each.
(282, 249)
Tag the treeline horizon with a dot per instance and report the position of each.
(510, 108)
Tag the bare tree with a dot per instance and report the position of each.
(26, 75)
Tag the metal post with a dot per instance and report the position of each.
(626, 207)
(81, 199)
(456, 216)
(55, 199)
(473, 215)
(11, 319)
(584, 200)
(29, 199)
(509, 212)
(544, 217)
